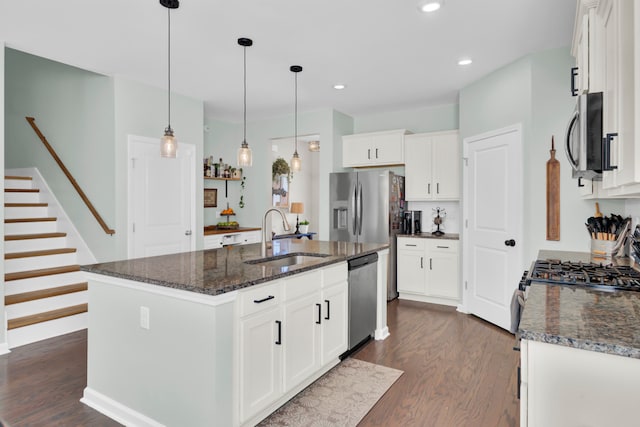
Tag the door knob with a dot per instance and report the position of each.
(510, 242)
(187, 233)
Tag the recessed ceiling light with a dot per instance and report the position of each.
(465, 61)
(429, 5)
(339, 86)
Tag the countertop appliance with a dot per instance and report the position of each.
(412, 223)
(368, 207)
(583, 143)
(363, 284)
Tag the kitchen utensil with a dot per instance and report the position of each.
(598, 214)
(553, 195)
(605, 227)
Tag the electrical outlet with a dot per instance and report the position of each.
(217, 214)
(144, 317)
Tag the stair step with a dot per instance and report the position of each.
(46, 316)
(17, 220)
(33, 236)
(41, 272)
(26, 178)
(28, 254)
(43, 282)
(44, 293)
(21, 190)
(26, 205)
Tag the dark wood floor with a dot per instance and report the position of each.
(458, 371)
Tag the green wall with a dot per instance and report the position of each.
(534, 91)
(141, 110)
(3, 322)
(74, 109)
(417, 120)
(87, 118)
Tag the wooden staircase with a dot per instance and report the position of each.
(45, 292)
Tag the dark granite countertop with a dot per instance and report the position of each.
(446, 236)
(588, 319)
(217, 271)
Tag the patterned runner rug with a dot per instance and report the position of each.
(341, 397)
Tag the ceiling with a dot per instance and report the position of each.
(390, 55)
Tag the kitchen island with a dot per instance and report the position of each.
(580, 354)
(214, 338)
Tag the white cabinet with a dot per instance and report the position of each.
(432, 166)
(564, 386)
(373, 149)
(428, 270)
(291, 331)
(215, 241)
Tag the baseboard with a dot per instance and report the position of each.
(115, 410)
(428, 299)
(382, 334)
(462, 309)
(4, 348)
(42, 331)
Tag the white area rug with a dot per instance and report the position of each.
(341, 397)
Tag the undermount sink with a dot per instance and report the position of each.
(287, 260)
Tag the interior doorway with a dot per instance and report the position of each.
(301, 187)
(161, 196)
(493, 207)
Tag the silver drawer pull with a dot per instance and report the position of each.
(258, 301)
(410, 245)
(442, 247)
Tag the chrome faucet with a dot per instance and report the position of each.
(285, 224)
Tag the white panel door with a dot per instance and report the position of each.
(493, 211)
(161, 199)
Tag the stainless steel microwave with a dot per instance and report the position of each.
(583, 142)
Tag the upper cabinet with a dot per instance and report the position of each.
(606, 46)
(373, 149)
(432, 166)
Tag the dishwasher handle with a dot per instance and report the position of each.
(363, 261)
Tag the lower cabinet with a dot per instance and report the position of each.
(428, 270)
(289, 331)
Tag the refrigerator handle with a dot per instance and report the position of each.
(360, 209)
(354, 211)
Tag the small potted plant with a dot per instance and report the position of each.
(304, 226)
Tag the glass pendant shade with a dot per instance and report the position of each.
(296, 162)
(168, 144)
(245, 158)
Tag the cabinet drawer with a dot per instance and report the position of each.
(411, 243)
(301, 284)
(259, 298)
(441, 245)
(212, 242)
(334, 274)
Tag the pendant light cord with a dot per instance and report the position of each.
(244, 139)
(296, 114)
(169, 66)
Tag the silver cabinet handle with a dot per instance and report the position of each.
(442, 247)
(429, 188)
(421, 262)
(430, 263)
(407, 244)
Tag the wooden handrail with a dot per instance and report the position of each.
(83, 196)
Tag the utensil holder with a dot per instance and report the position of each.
(602, 248)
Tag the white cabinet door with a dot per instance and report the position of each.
(442, 276)
(373, 149)
(335, 325)
(260, 362)
(446, 167)
(356, 150)
(387, 149)
(212, 241)
(432, 166)
(411, 272)
(301, 339)
(417, 168)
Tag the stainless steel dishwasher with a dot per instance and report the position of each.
(363, 285)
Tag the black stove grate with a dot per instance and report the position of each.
(600, 276)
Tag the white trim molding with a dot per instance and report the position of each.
(116, 411)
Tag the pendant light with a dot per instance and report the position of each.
(296, 161)
(169, 143)
(244, 152)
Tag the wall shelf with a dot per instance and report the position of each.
(226, 182)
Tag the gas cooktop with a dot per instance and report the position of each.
(603, 277)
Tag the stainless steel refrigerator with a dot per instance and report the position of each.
(368, 207)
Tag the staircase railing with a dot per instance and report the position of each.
(83, 196)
